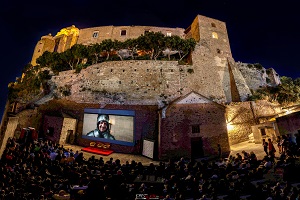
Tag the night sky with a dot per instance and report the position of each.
(265, 32)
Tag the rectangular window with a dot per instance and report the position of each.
(169, 34)
(95, 34)
(123, 32)
(263, 132)
(196, 128)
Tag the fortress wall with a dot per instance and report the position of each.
(144, 82)
(208, 78)
(114, 33)
(45, 44)
(208, 28)
(237, 78)
(210, 65)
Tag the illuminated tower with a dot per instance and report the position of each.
(62, 41)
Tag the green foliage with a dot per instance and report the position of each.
(66, 90)
(286, 92)
(250, 66)
(258, 66)
(151, 43)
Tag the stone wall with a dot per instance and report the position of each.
(9, 132)
(56, 123)
(176, 129)
(114, 33)
(243, 115)
(289, 124)
(126, 82)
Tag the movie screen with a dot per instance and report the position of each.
(112, 126)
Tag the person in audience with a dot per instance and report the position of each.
(265, 146)
(278, 142)
(271, 149)
(25, 173)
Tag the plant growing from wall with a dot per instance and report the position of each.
(65, 90)
(191, 71)
(258, 66)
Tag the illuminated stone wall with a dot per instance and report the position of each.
(126, 82)
(63, 40)
(114, 33)
(243, 115)
(46, 43)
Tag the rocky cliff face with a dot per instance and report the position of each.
(257, 76)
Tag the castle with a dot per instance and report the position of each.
(184, 106)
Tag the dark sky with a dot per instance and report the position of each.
(260, 31)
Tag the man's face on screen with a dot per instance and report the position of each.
(103, 126)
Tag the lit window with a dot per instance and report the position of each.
(95, 34)
(214, 35)
(169, 34)
(123, 32)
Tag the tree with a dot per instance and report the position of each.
(153, 42)
(75, 55)
(46, 60)
(94, 52)
(107, 46)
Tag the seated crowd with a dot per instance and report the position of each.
(45, 170)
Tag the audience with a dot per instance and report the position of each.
(46, 170)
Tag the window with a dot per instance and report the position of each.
(146, 31)
(213, 25)
(263, 132)
(123, 32)
(169, 34)
(218, 51)
(215, 35)
(196, 128)
(95, 34)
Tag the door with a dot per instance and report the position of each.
(196, 147)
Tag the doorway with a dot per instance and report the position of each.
(196, 147)
(70, 137)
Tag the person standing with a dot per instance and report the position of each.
(284, 143)
(278, 141)
(265, 146)
(271, 149)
